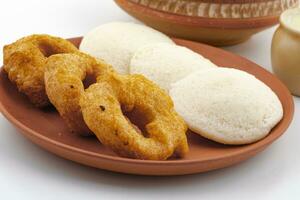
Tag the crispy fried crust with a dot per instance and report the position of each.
(64, 74)
(31, 64)
(101, 108)
(24, 61)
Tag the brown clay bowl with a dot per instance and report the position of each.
(46, 128)
(215, 22)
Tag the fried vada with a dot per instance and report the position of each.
(24, 62)
(64, 75)
(103, 106)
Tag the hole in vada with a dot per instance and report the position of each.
(47, 50)
(138, 120)
(89, 80)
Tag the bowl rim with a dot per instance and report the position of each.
(228, 23)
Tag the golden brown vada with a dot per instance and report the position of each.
(64, 75)
(24, 62)
(103, 104)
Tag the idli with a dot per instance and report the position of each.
(165, 63)
(227, 105)
(116, 42)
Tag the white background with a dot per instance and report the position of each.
(29, 172)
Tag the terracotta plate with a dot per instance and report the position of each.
(46, 128)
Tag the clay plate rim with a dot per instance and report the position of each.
(288, 115)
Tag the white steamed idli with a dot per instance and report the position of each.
(165, 63)
(227, 105)
(116, 42)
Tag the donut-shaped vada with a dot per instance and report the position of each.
(64, 75)
(104, 102)
(24, 61)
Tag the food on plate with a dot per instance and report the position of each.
(64, 75)
(227, 105)
(166, 63)
(116, 42)
(24, 62)
(130, 114)
(162, 131)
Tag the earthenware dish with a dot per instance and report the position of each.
(216, 22)
(46, 128)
